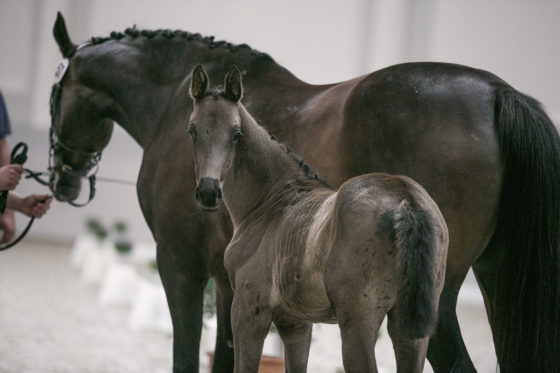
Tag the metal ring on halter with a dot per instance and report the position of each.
(93, 162)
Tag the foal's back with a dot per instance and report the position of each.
(326, 238)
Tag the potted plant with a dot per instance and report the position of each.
(93, 238)
(96, 260)
(149, 309)
(122, 244)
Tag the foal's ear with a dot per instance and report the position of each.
(234, 87)
(199, 83)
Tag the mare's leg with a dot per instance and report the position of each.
(250, 323)
(490, 278)
(410, 354)
(297, 340)
(184, 290)
(446, 349)
(224, 338)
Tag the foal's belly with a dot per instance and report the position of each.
(306, 302)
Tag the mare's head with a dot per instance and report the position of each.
(215, 130)
(81, 119)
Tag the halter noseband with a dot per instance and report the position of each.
(56, 144)
(55, 160)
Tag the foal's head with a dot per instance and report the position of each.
(215, 129)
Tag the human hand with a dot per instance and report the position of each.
(7, 226)
(35, 205)
(9, 176)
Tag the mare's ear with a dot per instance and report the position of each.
(67, 48)
(199, 83)
(234, 87)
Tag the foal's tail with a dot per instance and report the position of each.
(417, 237)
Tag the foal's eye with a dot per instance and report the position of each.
(192, 131)
(236, 134)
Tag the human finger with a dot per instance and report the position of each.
(17, 168)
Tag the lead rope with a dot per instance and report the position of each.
(18, 156)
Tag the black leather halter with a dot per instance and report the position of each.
(56, 165)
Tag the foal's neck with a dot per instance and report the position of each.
(261, 173)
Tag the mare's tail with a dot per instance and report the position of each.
(417, 241)
(528, 237)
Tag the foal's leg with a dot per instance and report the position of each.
(224, 338)
(410, 354)
(250, 324)
(359, 331)
(297, 340)
(359, 312)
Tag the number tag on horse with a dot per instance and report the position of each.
(61, 70)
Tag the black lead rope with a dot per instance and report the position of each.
(18, 156)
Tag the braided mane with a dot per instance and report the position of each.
(210, 41)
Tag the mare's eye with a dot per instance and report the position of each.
(192, 131)
(236, 135)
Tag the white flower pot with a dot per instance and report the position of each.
(119, 285)
(96, 263)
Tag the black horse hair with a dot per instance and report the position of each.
(209, 41)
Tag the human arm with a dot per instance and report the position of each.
(10, 176)
(34, 205)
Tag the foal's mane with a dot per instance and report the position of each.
(309, 174)
(209, 41)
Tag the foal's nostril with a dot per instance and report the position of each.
(208, 193)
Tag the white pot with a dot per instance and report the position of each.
(96, 263)
(119, 285)
(149, 308)
(83, 245)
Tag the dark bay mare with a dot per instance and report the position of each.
(487, 154)
(303, 252)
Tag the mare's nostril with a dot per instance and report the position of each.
(218, 193)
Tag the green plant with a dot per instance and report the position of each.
(122, 244)
(209, 298)
(153, 265)
(96, 228)
(120, 226)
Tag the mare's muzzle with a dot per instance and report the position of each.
(208, 194)
(65, 187)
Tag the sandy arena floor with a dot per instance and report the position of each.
(52, 322)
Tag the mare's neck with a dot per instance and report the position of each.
(150, 77)
(262, 173)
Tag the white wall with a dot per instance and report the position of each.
(320, 41)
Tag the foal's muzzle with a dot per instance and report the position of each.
(208, 194)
